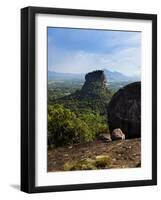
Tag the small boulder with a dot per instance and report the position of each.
(117, 134)
(105, 137)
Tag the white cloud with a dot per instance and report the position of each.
(126, 61)
(124, 55)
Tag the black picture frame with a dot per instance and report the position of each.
(28, 98)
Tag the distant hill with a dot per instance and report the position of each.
(111, 76)
(52, 75)
(119, 77)
(115, 76)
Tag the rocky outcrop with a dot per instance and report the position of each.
(124, 110)
(105, 137)
(95, 85)
(94, 95)
(117, 134)
(95, 76)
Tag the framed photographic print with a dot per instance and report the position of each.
(88, 99)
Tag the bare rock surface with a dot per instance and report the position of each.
(105, 137)
(123, 154)
(124, 110)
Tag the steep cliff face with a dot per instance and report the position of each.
(96, 76)
(124, 110)
(94, 94)
(95, 86)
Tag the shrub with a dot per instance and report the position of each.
(103, 161)
(64, 127)
(84, 164)
(100, 162)
(67, 127)
(96, 122)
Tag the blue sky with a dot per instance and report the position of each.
(84, 50)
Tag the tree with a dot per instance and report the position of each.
(64, 127)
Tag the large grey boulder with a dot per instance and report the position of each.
(124, 110)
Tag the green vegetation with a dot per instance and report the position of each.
(84, 164)
(60, 88)
(103, 161)
(100, 162)
(93, 96)
(76, 113)
(67, 127)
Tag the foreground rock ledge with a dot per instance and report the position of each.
(123, 154)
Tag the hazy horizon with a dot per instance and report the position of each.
(83, 73)
(79, 51)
